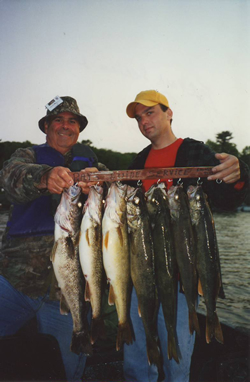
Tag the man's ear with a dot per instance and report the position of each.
(169, 113)
(46, 127)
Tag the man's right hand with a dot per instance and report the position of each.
(56, 180)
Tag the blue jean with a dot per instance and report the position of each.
(136, 367)
(16, 309)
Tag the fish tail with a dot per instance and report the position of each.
(172, 349)
(194, 322)
(97, 329)
(80, 343)
(154, 357)
(124, 334)
(213, 329)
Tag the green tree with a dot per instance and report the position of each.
(8, 148)
(245, 155)
(223, 144)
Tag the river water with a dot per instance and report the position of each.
(233, 235)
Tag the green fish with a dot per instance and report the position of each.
(143, 271)
(165, 261)
(185, 250)
(208, 262)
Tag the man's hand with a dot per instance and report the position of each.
(228, 170)
(56, 180)
(85, 186)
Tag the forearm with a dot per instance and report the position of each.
(21, 175)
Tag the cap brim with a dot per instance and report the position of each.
(131, 106)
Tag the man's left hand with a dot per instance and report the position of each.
(228, 170)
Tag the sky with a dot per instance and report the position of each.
(104, 52)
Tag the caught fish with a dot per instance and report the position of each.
(165, 261)
(184, 250)
(143, 272)
(208, 263)
(116, 259)
(67, 268)
(90, 250)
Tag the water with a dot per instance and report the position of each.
(233, 236)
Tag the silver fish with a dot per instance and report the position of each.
(116, 259)
(66, 264)
(90, 250)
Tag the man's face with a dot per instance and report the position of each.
(152, 121)
(62, 132)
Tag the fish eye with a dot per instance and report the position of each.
(197, 197)
(176, 197)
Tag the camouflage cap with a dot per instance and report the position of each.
(67, 104)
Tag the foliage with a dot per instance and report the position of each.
(223, 144)
(8, 148)
(113, 160)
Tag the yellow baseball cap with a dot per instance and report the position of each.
(146, 98)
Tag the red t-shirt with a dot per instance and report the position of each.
(161, 158)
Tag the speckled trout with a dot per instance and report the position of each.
(90, 250)
(208, 263)
(116, 258)
(67, 268)
(142, 269)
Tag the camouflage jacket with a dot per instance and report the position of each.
(25, 261)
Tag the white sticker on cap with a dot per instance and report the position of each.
(54, 103)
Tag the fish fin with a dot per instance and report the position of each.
(213, 329)
(120, 235)
(70, 247)
(194, 323)
(80, 343)
(111, 299)
(221, 293)
(139, 310)
(53, 252)
(200, 290)
(77, 239)
(87, 237)
(97, 330)
(64, 308)
(155, 358)
(124, 334)
(106, 240)
(172, 348)
(87, 293)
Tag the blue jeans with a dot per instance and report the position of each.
(136, 367)
(16, 309)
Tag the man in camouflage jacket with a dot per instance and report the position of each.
(34, 179)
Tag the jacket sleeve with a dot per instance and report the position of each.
(221, 195)
(20, 174)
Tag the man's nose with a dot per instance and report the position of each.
(144, 120)
(65, 124)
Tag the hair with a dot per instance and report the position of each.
(164, 109)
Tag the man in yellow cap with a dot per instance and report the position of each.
(226, 188)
